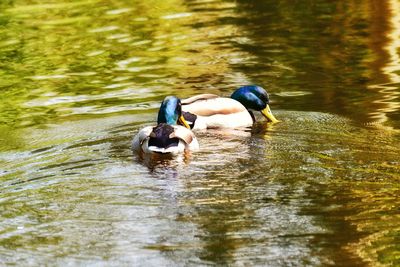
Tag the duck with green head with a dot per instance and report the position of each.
(211, 111)
(167, 137)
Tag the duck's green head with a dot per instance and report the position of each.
(256, 98)
(171, 112)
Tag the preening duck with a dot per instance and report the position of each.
(167, 136)
(211, 111)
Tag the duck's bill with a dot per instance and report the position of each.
(268, 114)
(183, 122)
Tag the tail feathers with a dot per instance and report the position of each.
(162, 150)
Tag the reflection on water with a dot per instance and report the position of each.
(79, 79)
(388, 64)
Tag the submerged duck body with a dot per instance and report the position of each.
(166, 137)
(211, 111)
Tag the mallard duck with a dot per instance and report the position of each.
(167, 136)
(211, 111)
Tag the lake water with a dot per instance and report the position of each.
(79, 78)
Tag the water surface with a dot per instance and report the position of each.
(80, 78)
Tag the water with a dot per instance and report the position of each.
(80, 78)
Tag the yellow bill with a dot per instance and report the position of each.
(268, 114)
(184, 122)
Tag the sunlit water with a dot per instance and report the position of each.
(79, 79)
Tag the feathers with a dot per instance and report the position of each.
(190, 118)
(164, 138)
(216, 112)
(195, 98)
(200, 112)
(182, 133)
(213, 106)
(167, 136)
(211, 111)
(161, 137)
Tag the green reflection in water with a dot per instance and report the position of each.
(79, 78)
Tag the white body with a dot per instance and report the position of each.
(187, 141)
(217, 112)
(236, 120)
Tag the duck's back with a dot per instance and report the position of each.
(217, 112)
(164, 138)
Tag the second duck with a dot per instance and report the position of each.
(211, 111)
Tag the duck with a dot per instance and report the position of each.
(167, 137)
(211, 111)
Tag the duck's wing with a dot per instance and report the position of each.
(214, 106)
(196, 98)
(141, 136)
(185, 135)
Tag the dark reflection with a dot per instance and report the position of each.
(222, 229)
(336, 50)
(286, 198)
(219, 206)
(324, 198)
(385, 44)
(244, 216)
(156, 162)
